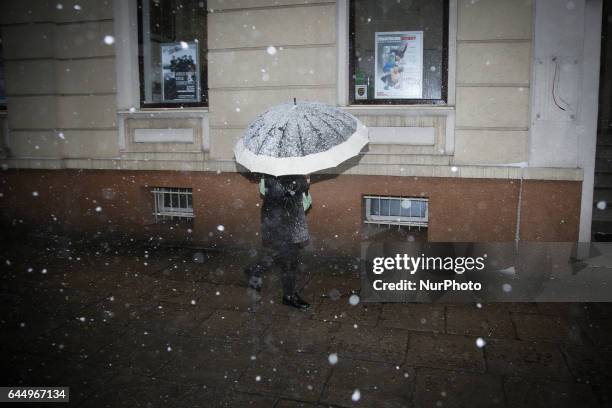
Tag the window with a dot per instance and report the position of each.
(172, 204)
(2, 81)
(401, 211)
(172, 53)
(398, 52)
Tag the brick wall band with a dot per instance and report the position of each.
(459, 209)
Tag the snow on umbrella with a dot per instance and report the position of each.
(300, 138)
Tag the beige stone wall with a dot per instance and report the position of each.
(60, 78)
(244, 79)
(493, 79)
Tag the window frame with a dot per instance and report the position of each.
(421, 222)
(164, 213)
(168, 105)
(446, 80)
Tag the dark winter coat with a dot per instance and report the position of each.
(283, 219)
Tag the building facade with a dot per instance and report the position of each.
(102, 135)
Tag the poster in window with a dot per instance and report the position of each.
(399, 65)
(180, 72)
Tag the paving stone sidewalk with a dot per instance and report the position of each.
(143, 327)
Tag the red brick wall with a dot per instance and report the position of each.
(459, 209)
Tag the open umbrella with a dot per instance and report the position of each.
(300, 138)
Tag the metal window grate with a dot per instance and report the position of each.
(172, 203)
(401, 211)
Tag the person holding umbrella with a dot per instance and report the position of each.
(285, 144)
(284, 231)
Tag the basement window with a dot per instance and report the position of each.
(172, 204)
(401, 211)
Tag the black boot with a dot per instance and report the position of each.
(295, 301)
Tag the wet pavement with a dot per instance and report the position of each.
(138, 326)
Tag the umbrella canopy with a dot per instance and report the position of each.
(300, 138)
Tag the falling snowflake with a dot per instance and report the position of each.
(59, 6)
(220, 228)
(356, 395)
(237, 109)
(333, 358)
(132, 109)
(82, 318)
(61, 135)
(354, 300)
(454, 169)
(77, 7)
(258, 378)
(198, 257)
(98, 209)
(271, 50)
(480, 342)
(506, 287)
(169, 348)
(44, 271)
(35, 193)
(184, 45)
(602, 205)
(479, 305)
(193, 302)
(109, 40)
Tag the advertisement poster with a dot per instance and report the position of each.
(180, 72)
(399, 65)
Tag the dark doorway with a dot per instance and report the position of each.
(602, 201)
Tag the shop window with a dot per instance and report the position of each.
(398, 52)
(172, 53)
(401, 211)
(172, 204)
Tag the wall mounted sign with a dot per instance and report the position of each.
(180, 72)
(361, 92)
(399, 65)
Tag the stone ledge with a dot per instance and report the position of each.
(407, 170)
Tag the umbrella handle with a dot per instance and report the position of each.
(294, 102)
